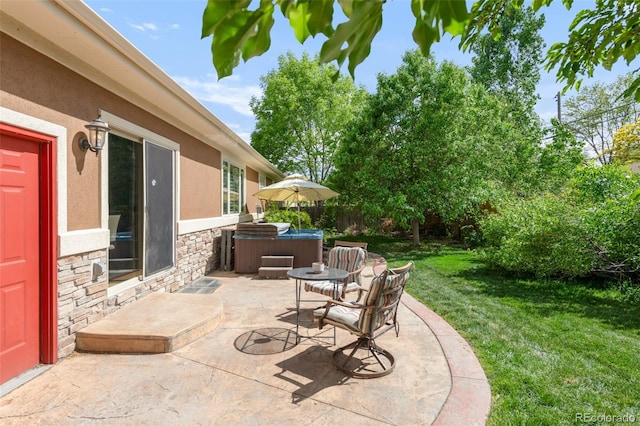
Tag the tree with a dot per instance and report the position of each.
(302, 114)
(596, 113)
(596, 37)
(510, 65)
(558, 159)
(413, 149)
(626, 143)
(431, 140)
(599, 37)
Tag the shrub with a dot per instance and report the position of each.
(591, 229)
(614, 234)
(328, 219)
(275, 215)
(592, 185)
(536, 236)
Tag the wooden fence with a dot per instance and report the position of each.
(433, 226)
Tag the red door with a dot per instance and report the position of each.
(19, 256)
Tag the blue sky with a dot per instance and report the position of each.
(168, 33)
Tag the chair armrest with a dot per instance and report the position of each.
(352, 277)
(357, 271)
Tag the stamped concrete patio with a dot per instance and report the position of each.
(247, 370)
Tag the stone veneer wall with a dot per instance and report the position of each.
(83, 301)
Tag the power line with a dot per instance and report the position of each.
(599, 114)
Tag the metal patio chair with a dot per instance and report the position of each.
(350, 259)
(368, 320)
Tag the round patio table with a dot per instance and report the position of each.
(306, 274)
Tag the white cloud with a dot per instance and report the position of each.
(144, 27)
(223, 93)
(175, 26)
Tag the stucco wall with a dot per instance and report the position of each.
(32, 84)
(200, 181)
(253, 185)
(43, 89)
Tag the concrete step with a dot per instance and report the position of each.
(158, 323)
(282, 261)
(274, 271)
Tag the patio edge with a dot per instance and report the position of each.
(469, 400)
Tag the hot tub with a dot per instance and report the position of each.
(304, 245)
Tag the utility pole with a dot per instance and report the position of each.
(558, 98)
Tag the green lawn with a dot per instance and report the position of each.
(555, 352)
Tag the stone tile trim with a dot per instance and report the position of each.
(80, 299)
(469, 401)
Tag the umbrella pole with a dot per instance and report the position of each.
(298, 202)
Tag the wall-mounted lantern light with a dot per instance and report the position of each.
(97, 136)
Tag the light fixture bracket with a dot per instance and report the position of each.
(85, 145)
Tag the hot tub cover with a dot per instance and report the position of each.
(262, 229)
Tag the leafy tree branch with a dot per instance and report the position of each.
(598, 37)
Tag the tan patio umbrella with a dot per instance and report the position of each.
(296, 188)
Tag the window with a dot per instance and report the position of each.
(262, 181)
(141, 208)
(232, 188)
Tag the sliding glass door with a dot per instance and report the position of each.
(141, 209)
